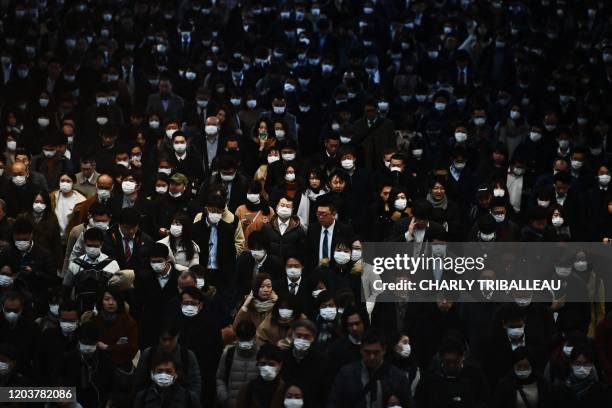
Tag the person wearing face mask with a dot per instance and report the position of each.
(327, 321)
(51, 164)
(118, 336)
(257, 260)
(214, 233)
(401, 206)
(279, 112)
(46, 226)
(583, 387)
(126, 241)
(374, 134)
(284, 231)
(99, 217)
(400, 354)
(188, 162)
(346, 349)
(523, 386)
(63, 202)
(229, 175)
(177, 200)
(19, 330)
(57, 340)
(9, 376)
(559, 367)
(102, 195)
(19, 192)
(198, 317)
(183, 251)
(585, 270)
(371, 380)
(167, 385)
(275, 328)
(506, 337)
(267, 389)
(86, 179)
(87, 368)
(131, 195)
(94, 264)
(256, 211)
(238, 364)
(165, 102)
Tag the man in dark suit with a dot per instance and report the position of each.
(418, 229)
(126, 243)
(231, 179)
(322, 236)
(293, 283)
(131, 196)
(375, 134)
(165, 102)
(155, 293)
(257, 260)
(216, 240)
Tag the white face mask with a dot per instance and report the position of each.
(180, 148)
(163, 380)
(128, 187)
(328, 313)
(499, 217)
(400, 204)
(103, 225)
(268, 373)
(87, 348)
(288, 156)
(164, 171)
(522, 374)
(499, 192)
(283, 212)
(301, 344)
(515, 332)
(315, 293)
(200, 283)
(604, 179)
(11, 145)
(342, 258)
(5, 280)
(92, 252)
(486, 237)
(210, 130)
(535, 136)
(65, 187)
(460, 137)
(293, 403)
(258, 254)
(355, 255)
(294, 273)
(228, 177)
(405, 350)
(567, 350)
(158, 267)
(176, 230)
(170, 132)
(214, 218)
(557, 221)
(279, 110)
(581, 372)
(154, 124)
(581, 266)
(253, 198)
(39, 207)
(285, 313)
(22, 245)
(103, 194)
(68, 327)
(347, 164)
(161, 190)
(54, 309)
(563, 271)
(19, 180)
(273, 159)
(246, 345)
(189, 310)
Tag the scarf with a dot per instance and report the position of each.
(312, 196)
(443, 203)
(581, 387)
(264, 306)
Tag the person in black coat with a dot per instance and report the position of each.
(452, 379)
(198, 319)
(178, 200)
(156, 289)
(33, 264)
(215, 238)
(10, 377)
(126, 243)
(319, 248)
(523, 385)
(56, 341)
(347, 349)
(132, 196)
(188, 161)
(256, 260)
(292, 279)
(292, 237)
(18, 329)
(19, 192)
(381, 378)
(227, 174)
(87, 368)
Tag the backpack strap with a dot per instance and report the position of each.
(229, 359)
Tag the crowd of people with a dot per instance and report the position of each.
(186, 188)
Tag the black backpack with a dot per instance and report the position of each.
(90, 279)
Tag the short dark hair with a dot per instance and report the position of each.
(245, 330)
(270, 352)
(215, 201)
(129, 216)
(88, 333)
(68, 306)
(98, 208)
(159, 250)
(93, 234)
(194, 293)
(305, 323)
(23, 226)
(258, 239)
(373, 336)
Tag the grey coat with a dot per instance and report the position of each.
(242, 371)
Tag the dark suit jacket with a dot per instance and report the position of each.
(114, 247)
(244, 272)
(175, 106)
(226, 251)
(304, 293)
(341, 232)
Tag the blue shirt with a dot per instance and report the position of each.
(212, 246)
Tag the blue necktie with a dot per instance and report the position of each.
(325, 251)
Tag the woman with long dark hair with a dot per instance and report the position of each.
(184, 252)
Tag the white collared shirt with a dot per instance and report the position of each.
(297, 284)
(282, 226)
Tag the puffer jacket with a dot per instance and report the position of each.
(291, 241)
(243, 369)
